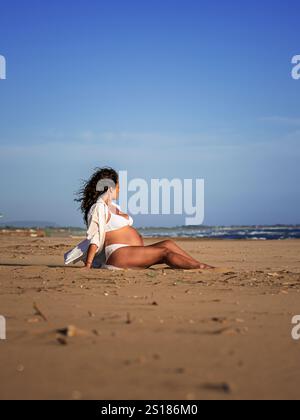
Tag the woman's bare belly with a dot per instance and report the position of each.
(127, 235)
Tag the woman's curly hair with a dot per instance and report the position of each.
(88, 194)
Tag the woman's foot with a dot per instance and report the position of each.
(206, 267)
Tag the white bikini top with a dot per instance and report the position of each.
(117, 221)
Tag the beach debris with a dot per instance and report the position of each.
(62, 334)
(34, 320)
(154, 303)
(128, 318)
(38, 312)
(220, 320)
(273, 274)
(240, 320)
(71, 331)
(223, 387)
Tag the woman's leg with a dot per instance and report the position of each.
(145, 257)
(172, 246)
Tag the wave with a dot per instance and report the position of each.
(223, 232)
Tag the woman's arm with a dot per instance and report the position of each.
(95, 232)
(91, 255)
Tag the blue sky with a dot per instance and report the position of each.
(163, 89)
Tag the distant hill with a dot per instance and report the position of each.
(29, 224)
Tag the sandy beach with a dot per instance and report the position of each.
(151, 334)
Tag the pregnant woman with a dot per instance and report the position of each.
(111, 234)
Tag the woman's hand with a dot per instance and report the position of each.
(90, 256)
(88, 266)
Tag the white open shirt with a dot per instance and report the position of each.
(95, 236)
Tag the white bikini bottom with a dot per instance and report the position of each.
(110, 249)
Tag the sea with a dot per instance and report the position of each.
(257, 233)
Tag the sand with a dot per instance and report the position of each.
(151, 334)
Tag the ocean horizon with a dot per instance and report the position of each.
(255, 232)
(252, 232)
